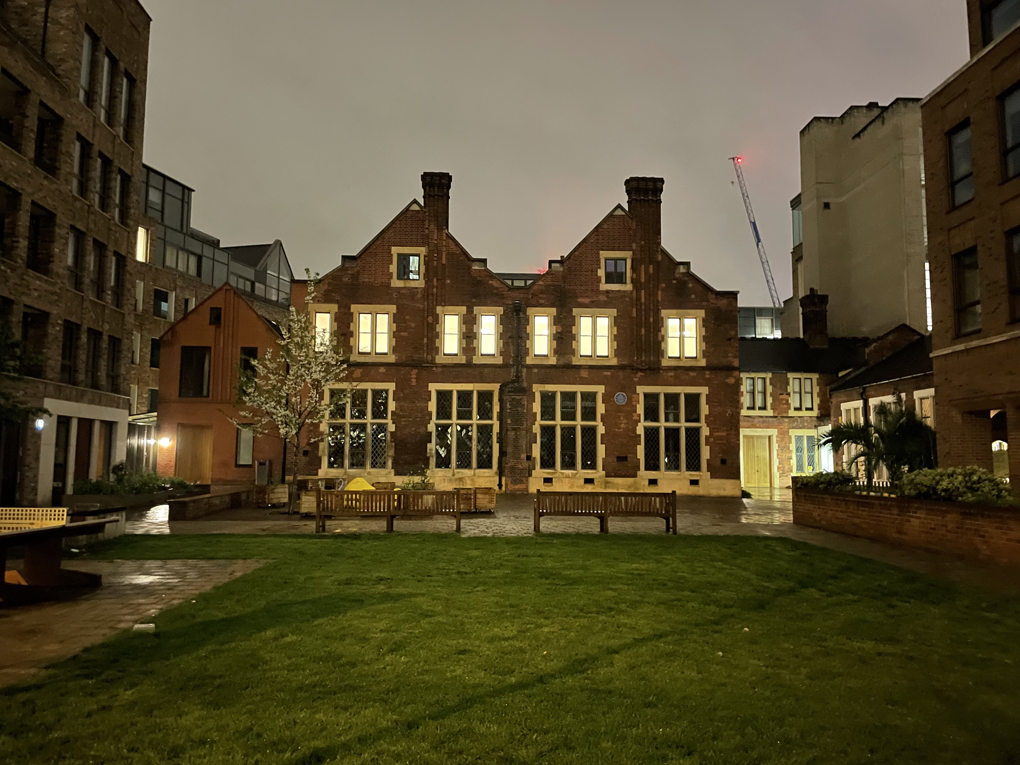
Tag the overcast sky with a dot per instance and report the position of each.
(311, 121)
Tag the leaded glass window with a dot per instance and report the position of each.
(673, 430)
(357, 436)
(465, 429)
(568, 438)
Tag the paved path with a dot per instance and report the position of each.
(133, 592)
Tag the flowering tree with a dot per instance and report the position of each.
(286, 392)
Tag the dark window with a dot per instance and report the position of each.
(1011, 134)
(13, 100)
(153, 400)
(82, 158)
(47, 140)
(998, 17)
(120, 199)
(244, 448)
(1013, 265)
(69, 353)
(127, 98)
(160, 304)
(408, 268)
(961, 166)
(88, 49)
(34, 329)
(195, 371)
(113, 364)
(97, 270)
(118, 264)
(967, 279)
(106, 87)
(216, 316)
(154, 353)
(93, 349)
(616, 270)
(74, 243)
(104, 171)
(41, 231)
(248, 355)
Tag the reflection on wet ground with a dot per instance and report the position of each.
(154, 520)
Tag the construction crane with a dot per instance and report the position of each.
(773, 292)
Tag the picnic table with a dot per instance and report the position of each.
(41, 532)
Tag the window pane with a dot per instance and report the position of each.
(568, 406)
(1011, 123)
(749, 398)
(358, 454)
(589, 448)
(382, 334)
(379, 434)
(811, 449)
(483, 460)
(380, 404)
(568, 448)
(651, 401)
(809, 394)
(548, 406)
(444, 404)
(798, 454)
(673, 338)
(671, 438)
(547, 447)
(692, 447)
(364, 333)
(321, 331)
(1002, 17)
(337, 405)
(602, 337)
(795, 385)
(451, 334)
(762, 392)
(443, 450)
(589, 407)
(961, 166)
(335, 444)
(692, 407)
(359, 404)
(485, 408)
(652, 462)
(465, 405)
(585, 338)
(541, 336)
(488, 335)
(690, 338)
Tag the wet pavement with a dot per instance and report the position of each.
(32, 637)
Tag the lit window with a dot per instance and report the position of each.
(382, 334)
(540, 336)
(451, 334)
(805, 453)
(690, 338)
(487, 334)
(322, 331)
(142, 248)
(682, 338)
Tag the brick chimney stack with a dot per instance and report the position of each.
(814, 310)
(644, 201)
(436, 190)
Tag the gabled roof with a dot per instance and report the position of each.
(227, 286)
(913, 360)
(793, 354)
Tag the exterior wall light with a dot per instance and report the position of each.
(40, 424)
(164, 442)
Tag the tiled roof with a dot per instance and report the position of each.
(793, 354)
(910, 361)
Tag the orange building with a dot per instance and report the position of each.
(202, 356)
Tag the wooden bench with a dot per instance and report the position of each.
(606, 505)
(480, 499)
(384, 504)
(41, 531)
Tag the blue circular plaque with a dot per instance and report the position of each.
(620, 398)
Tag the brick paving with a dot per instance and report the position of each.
(32, 637)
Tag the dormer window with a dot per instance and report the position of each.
(615, 271)
(408, 267)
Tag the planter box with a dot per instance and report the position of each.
(118, 501)
(971, 531)
(190, 508)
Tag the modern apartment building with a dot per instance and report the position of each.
(616, 369)
(972, 151)
(858, 222)
(72, 107)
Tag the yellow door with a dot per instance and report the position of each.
(757, 461)
(194, 453)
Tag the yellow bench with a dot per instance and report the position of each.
(22, 518)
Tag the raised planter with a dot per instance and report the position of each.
(117, 501)
(972, 531)
(199, 506)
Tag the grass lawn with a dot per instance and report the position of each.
(561, 649)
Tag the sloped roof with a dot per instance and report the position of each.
(793, 354)
(912, 360)
(250, 254)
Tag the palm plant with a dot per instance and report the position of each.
(896, 438)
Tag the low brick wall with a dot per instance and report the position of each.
(973, 531)
(190, 508)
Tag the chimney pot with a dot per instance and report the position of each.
(436, 196)
(644, 189)
(814, 310)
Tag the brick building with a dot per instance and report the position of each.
(616, 369)
(71, 113)
(971, 139)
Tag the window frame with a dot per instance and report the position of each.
(534, 314)
(987, 33)
(207, 372)
(604, 284)
(960, 308)
(375, 311)
(644, 425)
(540, 473)
(251, 447)
(956, 181)
(684, 316)
(369, 421)
(804, 434)
(480, 314)
(450, 341)
(396, 254)
(1013, 273)
(602, 317)
(434, 423)
(762, 385)
(803, 379)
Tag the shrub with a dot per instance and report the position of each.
(966, 484)
(830, 482)
(419, 481)
(129, 483)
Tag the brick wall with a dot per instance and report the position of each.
(967, 530)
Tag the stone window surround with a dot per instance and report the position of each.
(327, 308)
(478, 357)
(744, 411)
(553, 329)
(920, 395)
(609, 255)
(454, 472)
(814, 387)
(594, 312)
(536, 444)
(356, 311)
(698, 314)
(377, 474)
(793, 451)
(441, 313)
(420, 252)
(704, 473)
